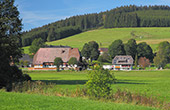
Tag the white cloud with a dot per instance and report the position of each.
(37, 19)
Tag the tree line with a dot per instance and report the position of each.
(90, 50)
(125, 16)
(50, 34)
(141, 53)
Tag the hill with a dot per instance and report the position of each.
(104, 37)
(125, 16)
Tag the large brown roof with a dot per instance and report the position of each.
(122, 60)
(49, 54)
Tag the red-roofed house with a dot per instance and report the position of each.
(102, 50)
(45, 56)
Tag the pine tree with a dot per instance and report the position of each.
(51, 34)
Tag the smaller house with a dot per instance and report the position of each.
(102, 50)
(122, 63)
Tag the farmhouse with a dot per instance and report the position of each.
(44, 58)
(122, 63)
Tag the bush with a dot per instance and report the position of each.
(16, 76)
(26, 77)
(99, 83)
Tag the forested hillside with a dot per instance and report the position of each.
(125, 16)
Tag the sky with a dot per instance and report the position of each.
(36, 13)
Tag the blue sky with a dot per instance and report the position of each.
(36, 13)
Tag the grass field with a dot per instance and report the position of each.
(154, 83)
(19, 101)
(105, 37)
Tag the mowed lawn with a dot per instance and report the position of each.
(152, 83)
(104, 37)
(20, 101)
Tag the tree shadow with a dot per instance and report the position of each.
(69, 82)
(130, 82)
(74, 82)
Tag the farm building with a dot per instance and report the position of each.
(44, 58)
(26, 57)
(102, 50)
(122, 63)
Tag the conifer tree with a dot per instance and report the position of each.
(10, 51)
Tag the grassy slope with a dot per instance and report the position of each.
(154, 83)
(18, 101)
(105, 37)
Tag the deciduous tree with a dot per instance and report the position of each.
(36, 44)
(160, 60)
(90, 50)
(144, 50)
(116, 48)
(85, 52)
(130, 48)
(143, 62)
(163, 55)
(72, 61)
(58, 61)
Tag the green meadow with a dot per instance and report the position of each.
(104, 37)
(20, 101)
(151, 83)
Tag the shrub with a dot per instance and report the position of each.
(99, 83)
(72, 61)
(16, 76)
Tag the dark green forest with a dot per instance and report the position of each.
(125, 16)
